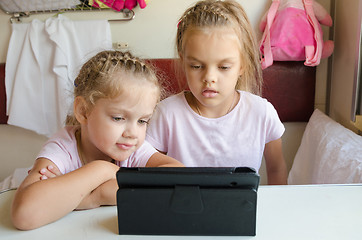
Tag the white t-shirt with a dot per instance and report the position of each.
(62, 150)
(234, 140)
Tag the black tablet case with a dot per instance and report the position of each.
(187, 201)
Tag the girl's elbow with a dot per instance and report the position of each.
(23, 217)
(21, 220)
(22, 224)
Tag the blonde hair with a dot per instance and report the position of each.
(102, 75)
(228, 13)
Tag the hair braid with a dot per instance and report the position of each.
(102, 76)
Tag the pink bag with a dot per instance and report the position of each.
(118, 5)
(292, 32)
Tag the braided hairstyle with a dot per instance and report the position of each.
(207, 14)
(103, 76)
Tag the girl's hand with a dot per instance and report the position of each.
(49, 172)
(161, 160)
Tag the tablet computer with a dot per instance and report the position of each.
(187, 201)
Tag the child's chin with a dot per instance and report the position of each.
(122, 157)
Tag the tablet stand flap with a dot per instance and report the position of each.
(186, 200)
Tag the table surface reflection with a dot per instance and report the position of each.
(283, 212)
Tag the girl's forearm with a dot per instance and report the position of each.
(277, 177)
(104, 194)
(45, 201)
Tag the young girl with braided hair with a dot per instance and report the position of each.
(115, 96)
(220, 120)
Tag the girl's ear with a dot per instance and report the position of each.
(80, 109)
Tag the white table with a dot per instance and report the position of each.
(283, 212)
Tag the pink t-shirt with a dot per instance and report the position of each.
(234, 140)
(62, 150)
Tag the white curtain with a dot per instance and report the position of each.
(42, 62)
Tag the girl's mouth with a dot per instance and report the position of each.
(124, 146)
(209, 93)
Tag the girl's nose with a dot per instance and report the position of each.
(209, 80)
(210, 76)
(130, 131)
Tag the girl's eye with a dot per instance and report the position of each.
(224, 67)
(195, 66)
(117, 119)
(143, 122)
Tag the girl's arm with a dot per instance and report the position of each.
(39, 202)
(161, 160)
(104, 194)
(275, 164)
